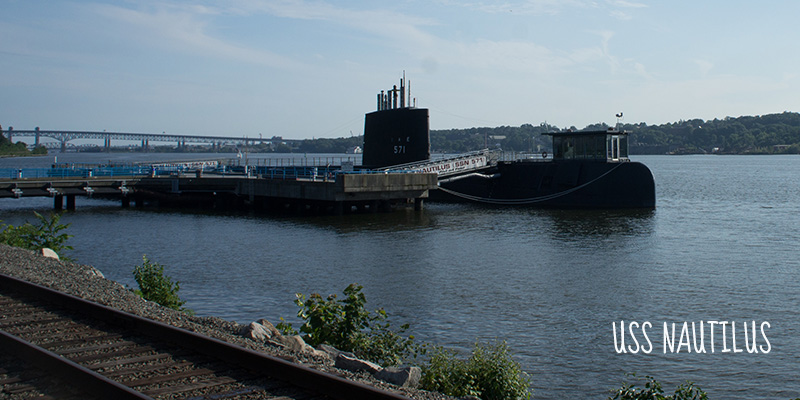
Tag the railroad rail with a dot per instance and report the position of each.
(108, 353)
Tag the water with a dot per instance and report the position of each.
(721, 246)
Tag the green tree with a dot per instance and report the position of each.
(653, 390)
(349, 326)
(46, 234)
(39, 150)
(489, 373)
(155, 286)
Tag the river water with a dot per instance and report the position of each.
(721, 249)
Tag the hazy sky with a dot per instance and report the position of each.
(302, 69)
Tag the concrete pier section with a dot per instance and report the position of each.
(339, 194)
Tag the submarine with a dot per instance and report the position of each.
(587, 169)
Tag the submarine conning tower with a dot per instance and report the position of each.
(397, 133)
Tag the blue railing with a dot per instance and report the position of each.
(30, 173)
(289, 172)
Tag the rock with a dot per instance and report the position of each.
(92, 271)
(263, 331)
(274, 333)
(331, 351)
(400, 376)
(49, 253)
(256, 332)
(350, 363)
(297, 344)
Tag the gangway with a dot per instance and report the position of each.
(453, 165)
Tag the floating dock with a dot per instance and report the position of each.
(293, 188)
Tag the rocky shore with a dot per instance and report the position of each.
(89, 283)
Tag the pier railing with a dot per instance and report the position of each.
(270, 172)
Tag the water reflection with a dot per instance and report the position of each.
(578, 224)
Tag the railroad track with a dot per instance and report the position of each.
(62, 346)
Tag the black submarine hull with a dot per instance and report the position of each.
(555, 184)
(588, 169)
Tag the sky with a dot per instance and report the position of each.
(312, 68)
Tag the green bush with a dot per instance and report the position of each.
(653, 391)
(490, 373)
(349, 326)
(47, 234)
(157, 287)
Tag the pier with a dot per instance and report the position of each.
(274, 189)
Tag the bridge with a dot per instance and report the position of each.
(63, 137)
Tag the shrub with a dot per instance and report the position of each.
(34, 237)
(157, 287)
(349, 326)
(490, 373)
(653, 391)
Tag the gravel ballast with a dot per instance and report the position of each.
(88, 283)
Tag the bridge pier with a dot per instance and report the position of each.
(71, 202)
(58, 202)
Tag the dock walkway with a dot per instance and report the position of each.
(298, 188)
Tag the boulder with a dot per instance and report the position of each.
(274, 333)
(331, 351)
(400, 376)
(349, 362)
(297, 344)
(49, 253)
(263, 331)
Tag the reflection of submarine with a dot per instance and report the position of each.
(588, 169)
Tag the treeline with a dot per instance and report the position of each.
(17, 149)
(765, 134)
(522, 138)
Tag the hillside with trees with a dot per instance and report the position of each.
(17, 149)
(766, 134)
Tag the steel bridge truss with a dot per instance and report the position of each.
(63, 137)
